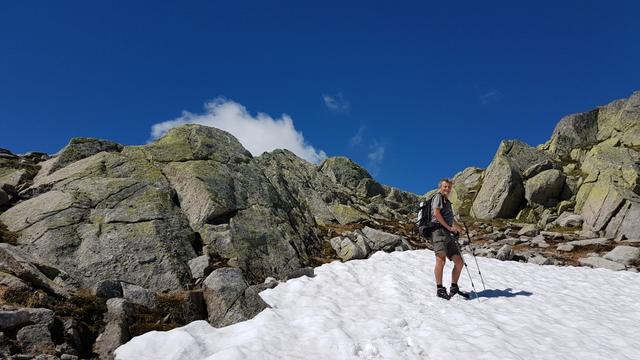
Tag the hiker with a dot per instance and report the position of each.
(444, 241)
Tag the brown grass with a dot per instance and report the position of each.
(166, 316)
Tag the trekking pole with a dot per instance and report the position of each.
(474, 255)
(466, 267)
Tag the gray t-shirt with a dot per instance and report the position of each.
(439, 202)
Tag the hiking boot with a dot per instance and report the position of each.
(454, 289)
(442, 293)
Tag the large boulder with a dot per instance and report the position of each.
(196, 142)
(229, 298)
(545, 188)
(612, 209)
(80, 148)
(105, 216)
(528, 161)
(309, 191)
(466, 185)
(574, 131)
(344, 171)
(618, 119)
(230, 202)
(501, 193)
(380, 240)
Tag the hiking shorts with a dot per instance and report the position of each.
(444, 243)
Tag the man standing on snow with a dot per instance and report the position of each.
(444, 241)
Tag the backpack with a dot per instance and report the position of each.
(423, 222)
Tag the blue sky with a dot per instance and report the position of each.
(413, 91)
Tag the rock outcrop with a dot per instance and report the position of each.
(591, 165)
(194, 209)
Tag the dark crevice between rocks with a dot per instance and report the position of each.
(224, 218)
(133, 222)
(197, 243)
(175, 199)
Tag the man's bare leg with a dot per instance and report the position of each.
(457, 268)
(439, 268)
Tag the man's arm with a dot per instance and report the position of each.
(457, 226)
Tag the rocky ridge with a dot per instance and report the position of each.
(112, 241)
(189, 227)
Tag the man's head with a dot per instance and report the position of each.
(444, 187)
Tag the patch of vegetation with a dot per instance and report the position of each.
(168, 314)
(333, 230)
(325, 256)
(496, 223)
(24, 297)
(145, 320)
(83, 306)
(563, 229)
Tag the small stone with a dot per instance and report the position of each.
(565, 248)
(539, 241)
(598, 262)
(36, 339)
(623, 254)
(138, 295)
(567, 219)
(528, 230)
(540, 260)
(494, 236)
(505, 253)
(200, 267)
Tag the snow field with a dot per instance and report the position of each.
(385, 307)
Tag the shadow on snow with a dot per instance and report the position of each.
(495, 293)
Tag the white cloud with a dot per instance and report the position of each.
(336, 102)
(357, 138)
(490, 96)
(258, 134)
(375, 156)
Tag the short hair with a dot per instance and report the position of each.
(445, 180)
